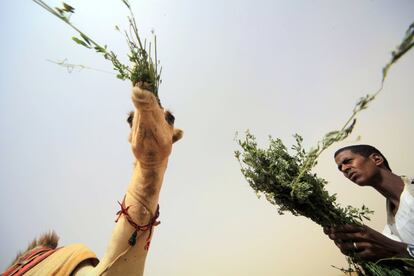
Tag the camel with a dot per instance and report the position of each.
(151, 138)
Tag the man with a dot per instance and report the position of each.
(366, 166)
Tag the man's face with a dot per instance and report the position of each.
(357, 168)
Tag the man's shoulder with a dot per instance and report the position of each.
(408, 180)
(409, 185)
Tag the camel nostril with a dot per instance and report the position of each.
(169, 118)
(130, 118)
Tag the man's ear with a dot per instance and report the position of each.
(377, 159)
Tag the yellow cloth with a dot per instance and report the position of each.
(64, 261)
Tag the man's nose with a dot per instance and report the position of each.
(345, 168)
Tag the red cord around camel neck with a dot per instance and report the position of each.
(153, 222)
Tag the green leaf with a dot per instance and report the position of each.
(85, 38)
(99, 49)
(60, 11)
(80, 42)
(68, 8)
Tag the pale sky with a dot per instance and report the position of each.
(274, 67)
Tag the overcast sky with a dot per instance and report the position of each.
(274, 67)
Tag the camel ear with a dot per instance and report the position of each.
(178, 134)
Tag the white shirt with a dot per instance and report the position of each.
(401, 226)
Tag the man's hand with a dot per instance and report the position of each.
(364, 242)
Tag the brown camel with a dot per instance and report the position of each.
(151, 138)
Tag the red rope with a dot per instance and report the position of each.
(153, 222)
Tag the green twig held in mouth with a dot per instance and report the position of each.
(144, 70)
(286, 180)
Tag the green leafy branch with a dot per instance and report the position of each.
(144, 71)
(402, 49)
(271, 172)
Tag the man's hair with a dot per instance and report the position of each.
(364, 150)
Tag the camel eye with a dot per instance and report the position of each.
(130, 118)
(169, 118)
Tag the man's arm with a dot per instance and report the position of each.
(365, 243)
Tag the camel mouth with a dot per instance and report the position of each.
(143, 98)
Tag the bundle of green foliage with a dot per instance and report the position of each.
(144, 70)
(286, 179)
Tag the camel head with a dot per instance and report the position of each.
(152, 129)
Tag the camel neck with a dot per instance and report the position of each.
(145, 185)
(141, 201)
